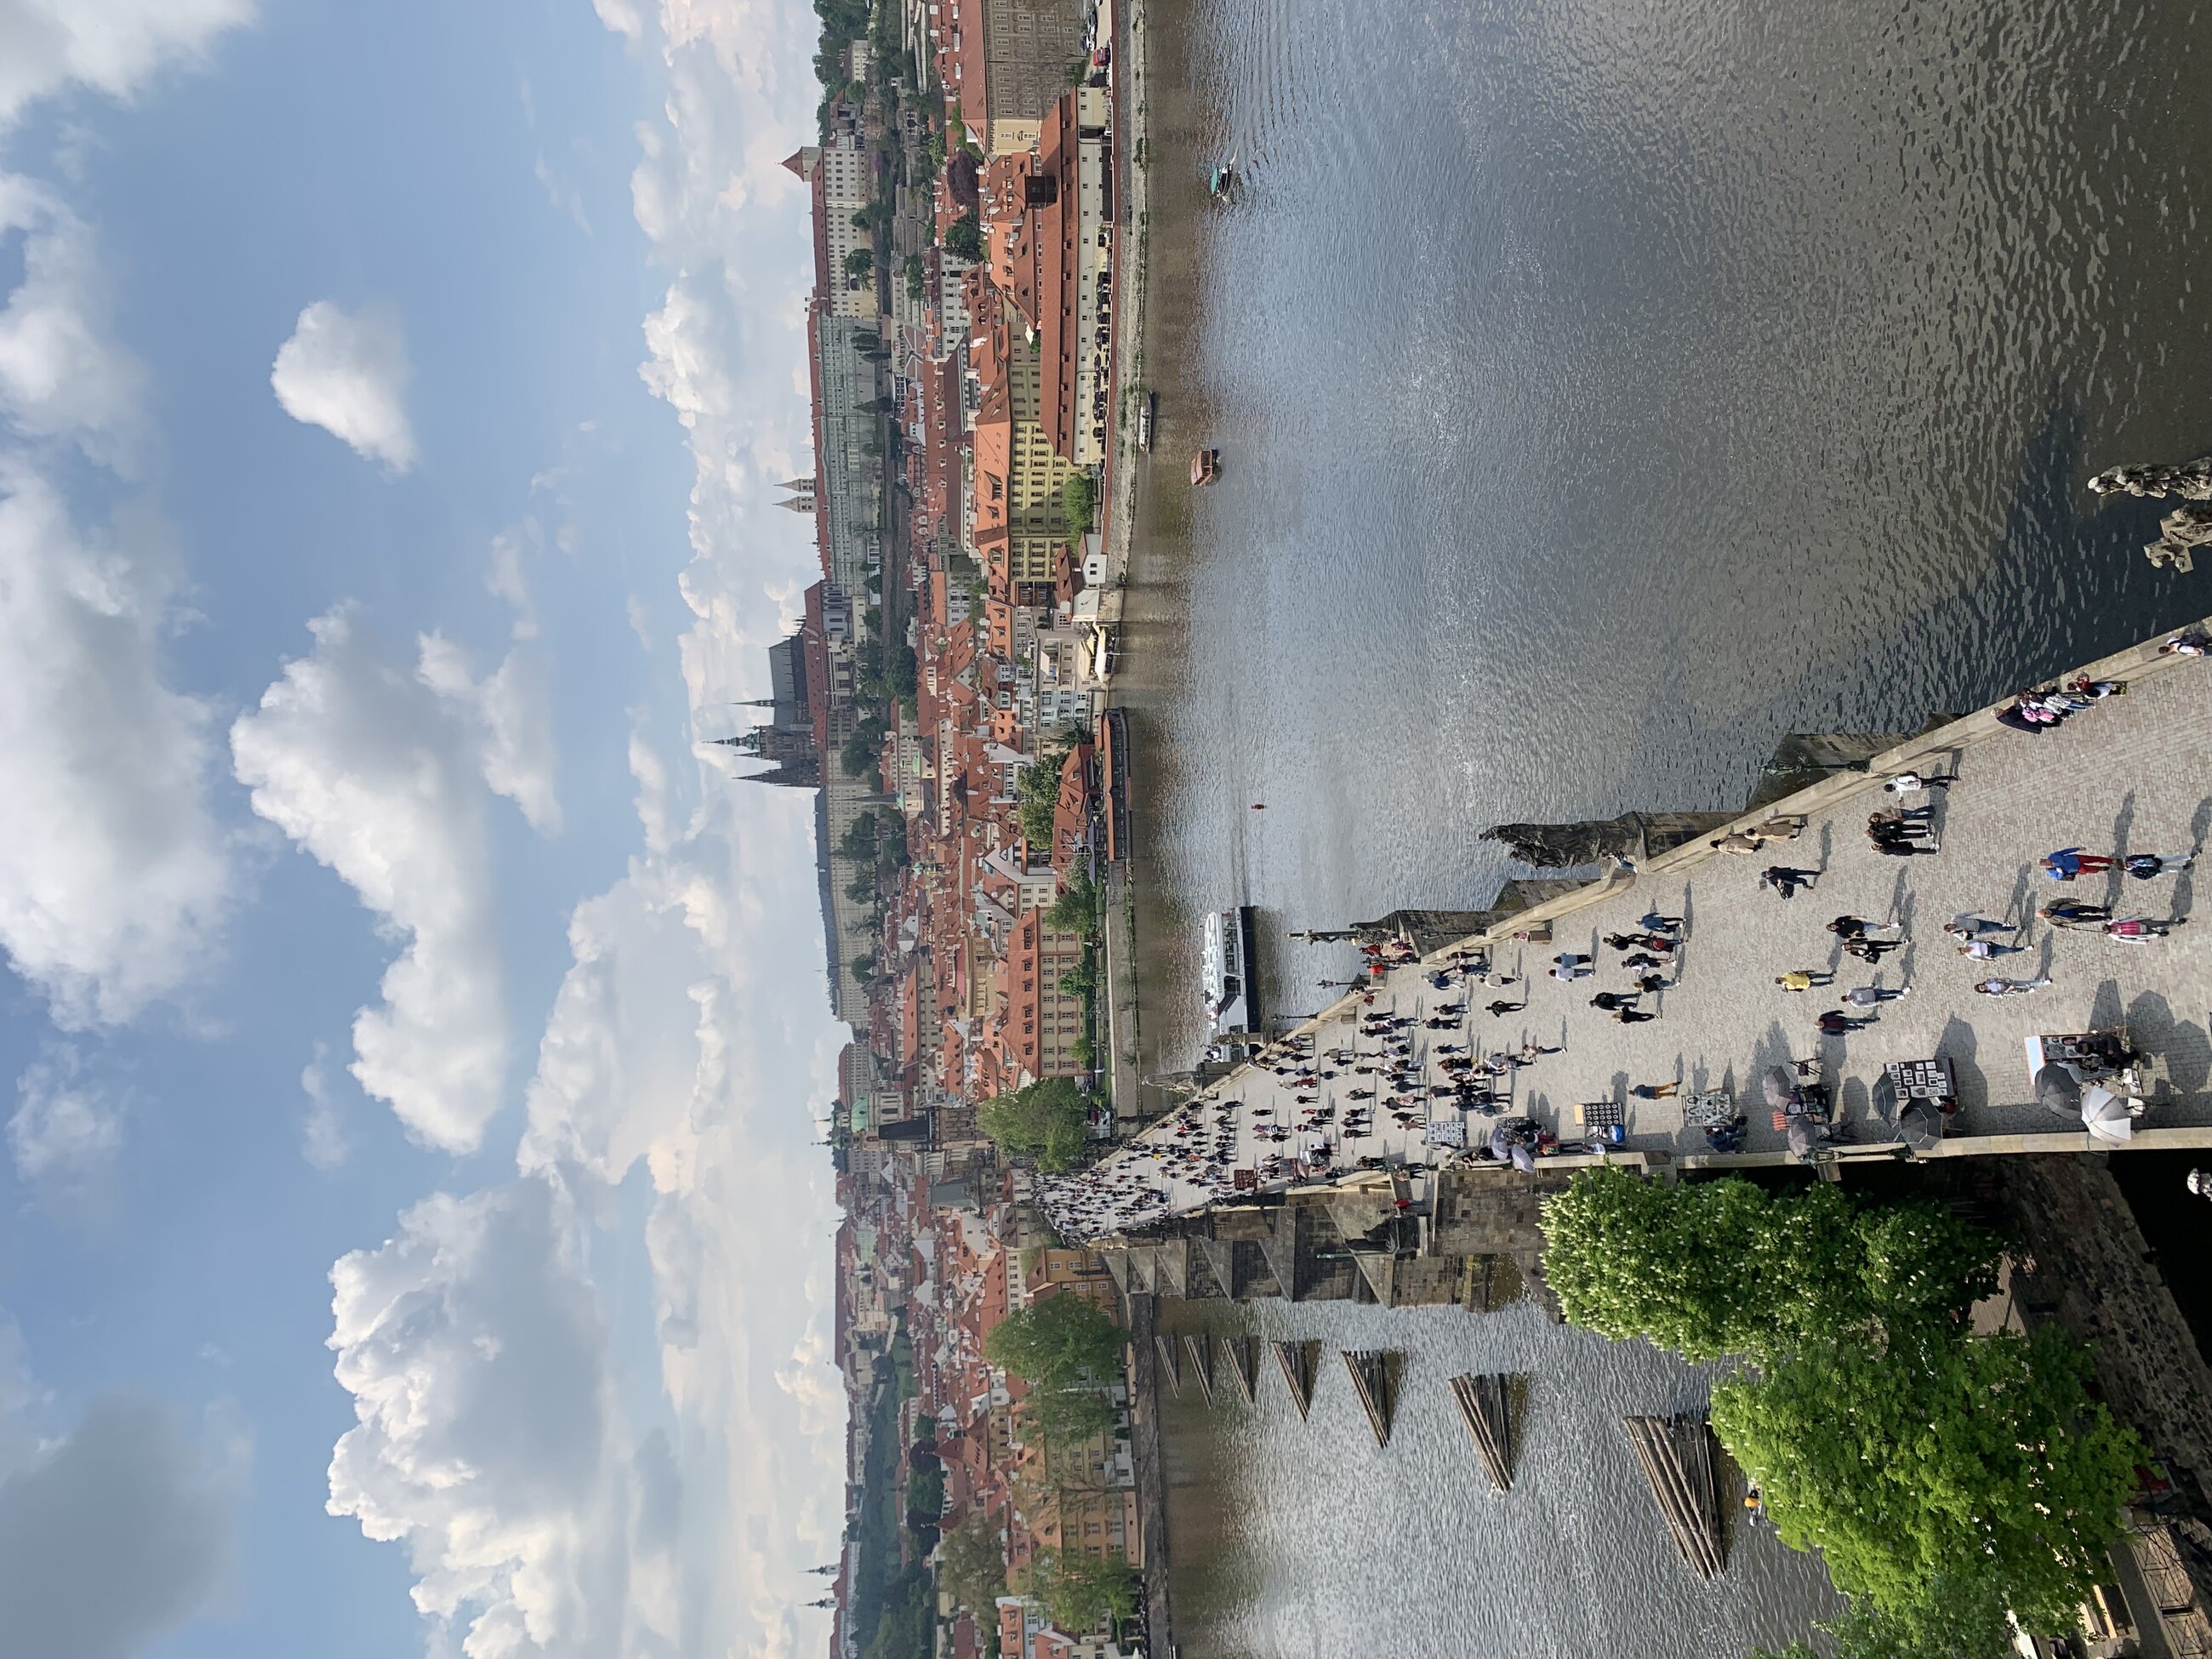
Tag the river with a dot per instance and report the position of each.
(1604, 389)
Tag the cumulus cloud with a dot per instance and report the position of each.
(365, 766)
(512, 711)
(348, 374)
(60, 375)
(65, 1126)
(113, 875)
(112, 46)
(488, 1437)
(114, 1536)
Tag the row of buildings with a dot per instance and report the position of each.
(936, 698)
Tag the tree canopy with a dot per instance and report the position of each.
(964, 239)
(1057, 1341)
(1047, 1121)
(971, 1565)
(1081, 1591)
(1911, 1467)
(1076, 910)
(1719, 1267)
(1944, 1477)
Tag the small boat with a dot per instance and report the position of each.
(1221, 178)
(1204, 468)
(1147, 411)
(1232, 1000)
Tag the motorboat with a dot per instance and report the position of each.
(1204, 468)
(1226, 972)
(1148, 407)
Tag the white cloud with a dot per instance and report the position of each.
(60, 376)
(621, 16)
(488, 1438)
(113, 875)
(512, 711)
(322, 1132)
(348, 374)
(366, 768)
(114, 46)
(64, 1127)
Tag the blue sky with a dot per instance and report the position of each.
(413, 1236)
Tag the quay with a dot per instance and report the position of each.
(2124, 775)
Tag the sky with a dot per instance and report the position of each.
(414, 1238)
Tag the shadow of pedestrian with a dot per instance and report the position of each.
(2105, 1007)
(1903, 905)
(1827, 843)
(2044, 955)
(2122, 822)
(1855, 1099)
(1961, 1045)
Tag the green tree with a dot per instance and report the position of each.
(1065, 1415)
(1057, 1341)
(1906, 1465)
(964, 239)
(858, 843)
(1966, 1621)
(1076, 910)
(864, 968)
(1047, 1120)
(860, 263)
(915, 276)
(1719, 1267)
(1080, 1591)
(971, 1565)
(1079, 499)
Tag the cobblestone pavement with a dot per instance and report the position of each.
(2129, 776)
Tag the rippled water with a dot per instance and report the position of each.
(1604, 390)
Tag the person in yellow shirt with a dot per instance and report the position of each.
(1803, 978)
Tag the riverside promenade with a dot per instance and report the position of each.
(2132, 774)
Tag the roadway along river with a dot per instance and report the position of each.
(1603, 391)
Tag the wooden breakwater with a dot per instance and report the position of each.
(1678, 1457)
(1485, 1405)
(1199, 1347)
(1170, 1366)
(1298, 1361)
(1244, 1365)
(1371, 1380)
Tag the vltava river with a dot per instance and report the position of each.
(1605, 388)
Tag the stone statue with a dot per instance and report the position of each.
(2180, 533)
(2190, 480)
(2188, 527)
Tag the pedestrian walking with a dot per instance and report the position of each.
(2067, 862)
(1611, 1001)
(1871, 950)
(1786, 879)
(1656, 1090)
(1837, 1023)
(1781, 828)
(1652, 922)
(1632, 1016)
(2137, 929)
(1498, 1009)
(2009, 988)
(1851, 927)
(1988, 950)
(1912, 783)
(1570, 967)
(2075, 913)
(1804, 978)
(2149, 866)
(1641, 959)
(1736, 841)
(1652, 982)
(1967, 925)
(1872, 996)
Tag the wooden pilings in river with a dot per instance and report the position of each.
(1244, 1365)
(1170, 1365)
(1372, 1383)
(1677, 1453)
(1484, 1404)
(1297, 1360)
(1199, 1347)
